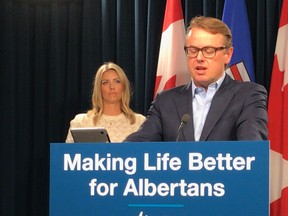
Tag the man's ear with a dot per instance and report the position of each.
(228, 54)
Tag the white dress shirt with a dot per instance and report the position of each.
(201, 103)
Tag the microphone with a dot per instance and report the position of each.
(184, 120)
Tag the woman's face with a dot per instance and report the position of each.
(111, 87)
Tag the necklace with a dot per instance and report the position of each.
(109, 120)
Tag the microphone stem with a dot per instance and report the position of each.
(179, 130)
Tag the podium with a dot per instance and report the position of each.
(160, 178)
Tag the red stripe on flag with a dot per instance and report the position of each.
(235, 72)
(280, 206)
(275, 110)
(175, 13)
(284, 14)
(278, 120)
(157, 83)
(171, 83)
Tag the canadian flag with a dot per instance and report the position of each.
(172, 67)
(278, 121)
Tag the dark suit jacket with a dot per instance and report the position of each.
(238, 112)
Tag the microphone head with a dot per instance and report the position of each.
(185, 118)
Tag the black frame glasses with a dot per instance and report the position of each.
(208, 51)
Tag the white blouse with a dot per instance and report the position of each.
(118, 127)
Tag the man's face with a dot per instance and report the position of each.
(203, 70)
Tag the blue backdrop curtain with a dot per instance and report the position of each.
(49, 52)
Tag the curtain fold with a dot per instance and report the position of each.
(50, 50)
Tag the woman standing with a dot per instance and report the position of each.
(111, 105)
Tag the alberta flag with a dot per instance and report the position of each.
(241, 65)
(278, 121)
(172, 67)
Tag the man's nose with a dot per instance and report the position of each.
(200, 55)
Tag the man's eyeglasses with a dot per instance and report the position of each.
(208, 52)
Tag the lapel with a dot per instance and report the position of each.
(219, 103)
(183, 104)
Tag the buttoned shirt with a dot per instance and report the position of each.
(201, 103)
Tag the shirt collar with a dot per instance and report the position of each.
(216, 84)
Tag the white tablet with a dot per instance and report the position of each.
(95, 134)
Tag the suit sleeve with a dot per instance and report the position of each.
(252, 122)
(163, 119)
(151, 129)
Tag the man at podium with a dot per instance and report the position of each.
(212, 106)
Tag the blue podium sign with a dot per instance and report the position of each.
(160, 178)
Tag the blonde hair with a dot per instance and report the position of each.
(97, 100)
(212, 25)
